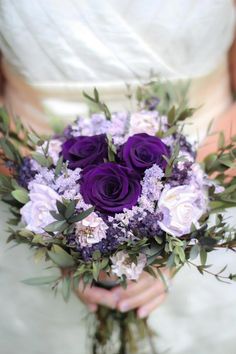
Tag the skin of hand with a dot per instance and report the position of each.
(144, 295)
(227, 122)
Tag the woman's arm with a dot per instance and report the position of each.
(1, 81)
(227, 122)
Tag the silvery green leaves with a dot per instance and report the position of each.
(111, 149)
(9, 152)
(13, 137)
(11, 192)
(223, 159)
(176, 115)
(21, 195)
(97, 104)
(168, 95)
(66, 217)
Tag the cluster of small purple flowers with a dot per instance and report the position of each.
(131, 193)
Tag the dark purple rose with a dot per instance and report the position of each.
(85, 150)
(141, 151)
(110, 187)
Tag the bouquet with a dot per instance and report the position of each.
(117, 194)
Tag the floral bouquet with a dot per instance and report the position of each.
(117, 194)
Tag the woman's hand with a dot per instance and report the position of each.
(226, 124)
(144, 295)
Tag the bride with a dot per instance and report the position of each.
(51, 51)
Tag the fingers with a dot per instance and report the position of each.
(146, 309)
(92, 307)
(145, 281)
(142, 297)
(96, 296)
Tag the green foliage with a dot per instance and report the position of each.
(97, 103)
(111, 150)
(60, 257)
(21, 195)
(49, 279)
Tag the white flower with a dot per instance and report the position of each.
(36, 213)
(182, 206)
(122, 265)
(144, 122)
(90, 230)
(54, 149)
(198, 175)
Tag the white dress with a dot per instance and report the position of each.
(61, 47)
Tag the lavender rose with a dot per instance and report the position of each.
(84, 151)
(110, 187)
(142, 151)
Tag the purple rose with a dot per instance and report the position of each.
(142, 151)
(83, 151)
(110, 187)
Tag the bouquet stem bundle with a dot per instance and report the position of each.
(133, 333)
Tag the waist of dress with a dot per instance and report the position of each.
(65, 100)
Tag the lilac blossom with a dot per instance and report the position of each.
(151, 184)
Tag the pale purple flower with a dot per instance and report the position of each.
(54, 149)
(67, 184)
(44, 176)
(185, 157)
(181, 206)
(36, 213)
(198, 177)
(144, 122)
(123, 265)
(90, 230)
(82, 126)
(151, 184)
(100, 124)
(119, 124)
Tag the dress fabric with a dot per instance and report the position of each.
(61, 47)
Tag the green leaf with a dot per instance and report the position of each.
(57, 216)
(163, 279)
(171, 116)
(61, 207)
(221, 140)
(232, 277)
(8, 149)
(35, 139)
(26, 233)
(60, 257)
(181, 254)
(203, 256)
(151, 271)
(66, 288)
(188, 112)
(194, 251)
(42, 160)
(20, 195)
(82, 215)
(96, 270)
(56, 226)
(5, 120)
(41, 280)
(70, 209)
(210, 160)
(59, 166)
